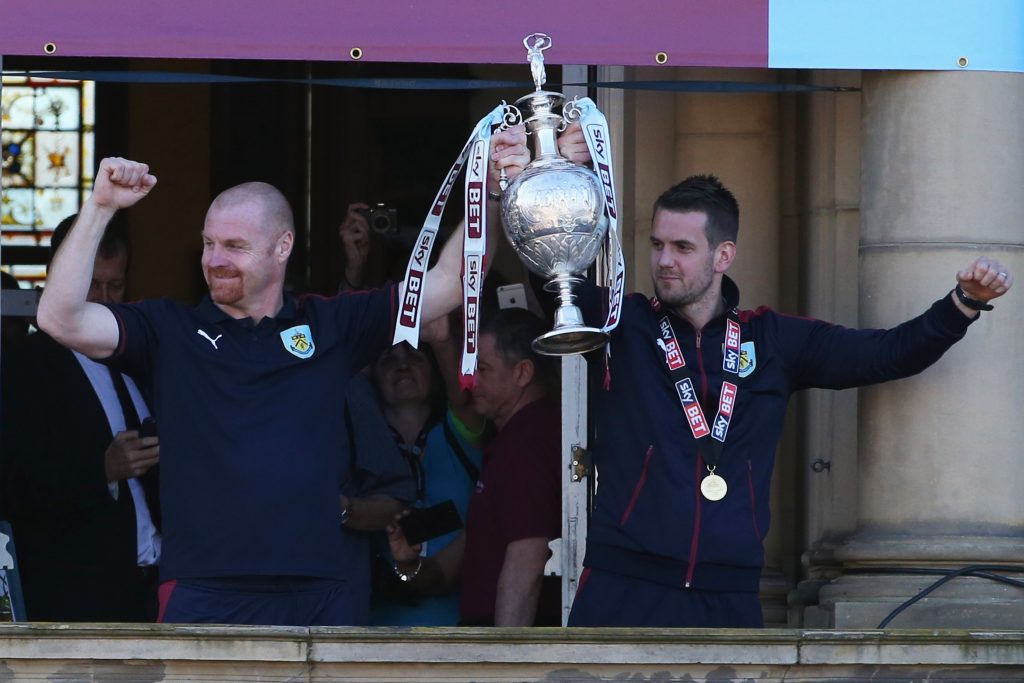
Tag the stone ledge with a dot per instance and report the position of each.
(210, 653)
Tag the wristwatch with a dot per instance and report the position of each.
(346, 512)
(406, 578)
(973, 304)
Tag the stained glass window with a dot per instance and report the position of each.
(47, 136)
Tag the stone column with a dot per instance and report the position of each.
(826, 218)
(941, 455)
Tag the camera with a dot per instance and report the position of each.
(383, 219)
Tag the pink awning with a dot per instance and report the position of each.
(688, 32)
(803, 34)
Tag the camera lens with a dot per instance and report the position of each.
(380, 222)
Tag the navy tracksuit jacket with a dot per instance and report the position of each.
(649, 520)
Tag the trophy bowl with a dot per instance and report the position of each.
(554, 216)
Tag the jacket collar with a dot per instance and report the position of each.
(730, 295)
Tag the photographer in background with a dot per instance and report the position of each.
(369, 257)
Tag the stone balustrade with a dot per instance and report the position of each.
(102, 652)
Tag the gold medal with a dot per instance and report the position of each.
(713, 487)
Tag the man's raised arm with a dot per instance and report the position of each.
(442, 290)
(63, 311)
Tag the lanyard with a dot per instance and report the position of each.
(710, 449)
(414, 456)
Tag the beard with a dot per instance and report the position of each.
(226, 285)
(684, 291)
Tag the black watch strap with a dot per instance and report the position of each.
(973, 304)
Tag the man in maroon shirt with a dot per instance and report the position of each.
(517, 506)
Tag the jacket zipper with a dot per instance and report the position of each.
(703, 374)
(696, 478)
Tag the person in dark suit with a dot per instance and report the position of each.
(79, 483)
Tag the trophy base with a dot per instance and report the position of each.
(569, 341)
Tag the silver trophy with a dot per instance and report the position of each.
(553, 212)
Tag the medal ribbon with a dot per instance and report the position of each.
(692, 410)
(727, 395)
(407, 327)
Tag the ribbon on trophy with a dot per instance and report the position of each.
(595, 132)
(407, 327)
(474, 253)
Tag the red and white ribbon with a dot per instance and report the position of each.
(595, 132)
(407, 327)
(474, 252)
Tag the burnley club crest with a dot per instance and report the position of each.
(298, 341)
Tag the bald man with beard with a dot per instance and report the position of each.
(249, 386)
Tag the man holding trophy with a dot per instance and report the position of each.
(695, 389)
(692, 411)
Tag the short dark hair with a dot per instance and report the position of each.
(514, 330)
(707, 194)
(115, 238)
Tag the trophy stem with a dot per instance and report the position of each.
(570, 335)
(564, 285)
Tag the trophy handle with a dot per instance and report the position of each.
(511, 116)
(571, 113)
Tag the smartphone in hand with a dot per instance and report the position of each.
(148, 428)
(427, 523)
